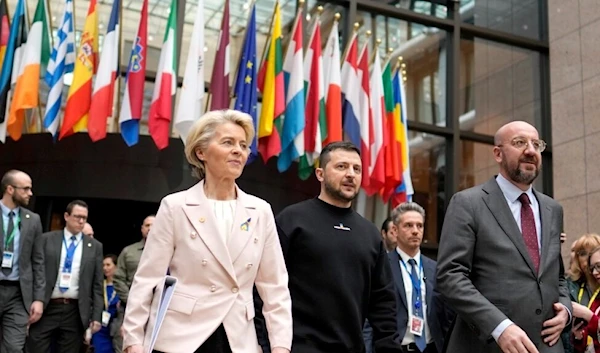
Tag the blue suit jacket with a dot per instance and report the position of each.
(439, 316)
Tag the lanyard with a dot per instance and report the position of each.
(69, 256)
(9, 237)
(112, 297)
(415, 282)
(580, 295)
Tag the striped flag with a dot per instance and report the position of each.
(405, 190)
(62, 61)
(292, 133)
(316, 121)
(272, 88)
(34, 55)
(333, 86)
(108, 71)
(393, 158)
(10, 65)
(219, 83)
(245, 83)
(365, 117)
(4, 30)
(133, 99)
(80, 93)
(377, 167)
(350, 89)
(165, 85)
(192, 91)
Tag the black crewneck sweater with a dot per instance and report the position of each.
(339, 275)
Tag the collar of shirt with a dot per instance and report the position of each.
(512, 192)
(69, 234)
(6, 210)
(404, 257)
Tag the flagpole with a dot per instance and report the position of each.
(115, 120)
(231, 94)
(354, 33)
(262, 57)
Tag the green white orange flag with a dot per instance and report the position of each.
(86, 64)
(271, 84)
(159, 120)
(36, 55)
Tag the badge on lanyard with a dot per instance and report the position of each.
(416, 325)
(65, 280)
(105, 318)
(7, 259)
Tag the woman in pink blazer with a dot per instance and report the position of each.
(218, 242)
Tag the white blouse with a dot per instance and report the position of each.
(224, 213)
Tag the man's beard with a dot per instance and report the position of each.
(337, 193)
(517, 175)
(19, 202)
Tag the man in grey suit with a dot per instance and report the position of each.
(73, 297)
(22, 279)
(499, 263)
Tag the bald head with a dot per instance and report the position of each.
(88, 230)
(512, 129)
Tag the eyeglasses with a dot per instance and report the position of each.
(595, 267)
(24, 188)
(521, 143)
(79, 217)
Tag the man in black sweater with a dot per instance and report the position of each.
(339, 273)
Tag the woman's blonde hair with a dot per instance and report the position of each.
(203, 130)
(586, 243)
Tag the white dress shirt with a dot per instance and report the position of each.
(408, 289)
(73, 291)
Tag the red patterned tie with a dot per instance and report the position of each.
(529, 232)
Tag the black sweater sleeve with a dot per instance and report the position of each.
(382, 306)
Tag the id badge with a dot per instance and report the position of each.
(7, 259)
(105, 318)
(416, 325)
(65, 280)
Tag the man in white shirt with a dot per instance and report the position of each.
(74, 296)
(499, 261)
(422, 318)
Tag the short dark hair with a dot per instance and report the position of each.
(74, 203)
(8, 179)
(334, 146)
(386, 224)
(113, 257)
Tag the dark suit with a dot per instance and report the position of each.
(439, 316)
(31, 283)
(486, 273)
(89, 304)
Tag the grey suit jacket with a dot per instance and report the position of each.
(91, 295)
(486, 274)
(32, 278)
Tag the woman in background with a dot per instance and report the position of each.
(585, 327)
(102, 341)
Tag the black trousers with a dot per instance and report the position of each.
(60, 323)
(216, 343)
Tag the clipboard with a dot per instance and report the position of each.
(165, 300)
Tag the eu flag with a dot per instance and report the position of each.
(245, 82)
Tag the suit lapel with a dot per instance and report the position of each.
(87, 252)
(24, 219)
(202, 218)
(397, 273)
(429, 273)
(244, 223)
(545, 220)
(496, 202)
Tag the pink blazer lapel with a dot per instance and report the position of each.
(244, 224)
(201, 216)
